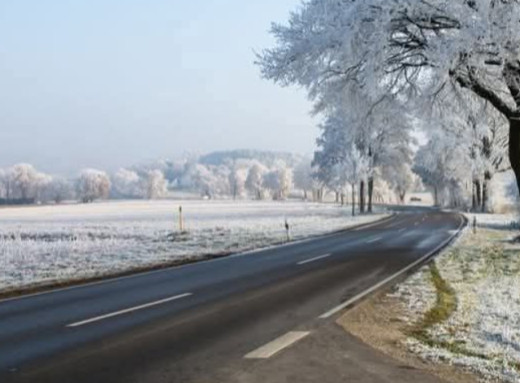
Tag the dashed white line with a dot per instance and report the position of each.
(374, 240)
(401, 230)
(277, 345)
(314, 259)
(128, 310)
(363, 294)
(381, 221)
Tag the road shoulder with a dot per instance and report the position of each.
(378, 322)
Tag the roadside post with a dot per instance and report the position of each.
(287, 230)
(181, 220)
(474, 224)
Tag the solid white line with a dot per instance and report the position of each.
(374, 240)
(128, 310)
(277, 345)
(314, 259)
(363, 294)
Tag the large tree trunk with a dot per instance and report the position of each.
(473, 197)
(485, 192)
(485, 196)
(362, 197)
(478, 192)
(514, 147)
(370, 193)
(353, 202)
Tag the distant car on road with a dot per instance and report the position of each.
(415, 199)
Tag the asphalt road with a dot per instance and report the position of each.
(207, 321)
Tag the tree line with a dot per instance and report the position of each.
(24, 184)
(232, 175)
(378, 71)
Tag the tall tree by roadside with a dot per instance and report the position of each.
(416, 49)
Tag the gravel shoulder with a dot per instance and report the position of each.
(378, 323)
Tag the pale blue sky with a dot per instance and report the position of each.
(107, 83)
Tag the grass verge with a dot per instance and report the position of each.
(444, 307)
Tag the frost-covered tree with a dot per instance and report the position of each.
(155, 184)
(6, 184)
(285, 175)
(271, 182)
(303, 177)
(278, 181)
(174, 170)
(444, 167)
(93, 184)
(209, 181)
(400, 178)
(381, 135)
(127, 183)
(58, 190)
(25, 181)
(41, 186)
(255, 180)
(480, 134)
(412, 48)
(237, 180)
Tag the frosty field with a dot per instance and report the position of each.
(48, 244)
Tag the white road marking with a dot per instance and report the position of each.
(277, 345)
(128, 310)
(416, 223)
(314, 259)
(393, 224)
(401, 230)
(363, 294)
(374, 240)
(363, 227)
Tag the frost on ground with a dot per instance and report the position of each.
(482, 331)
(48, 244)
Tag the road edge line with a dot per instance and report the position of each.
(389, 279)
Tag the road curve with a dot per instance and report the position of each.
(196, 323)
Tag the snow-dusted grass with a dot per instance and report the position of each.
(482, 274)
(48, 244)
